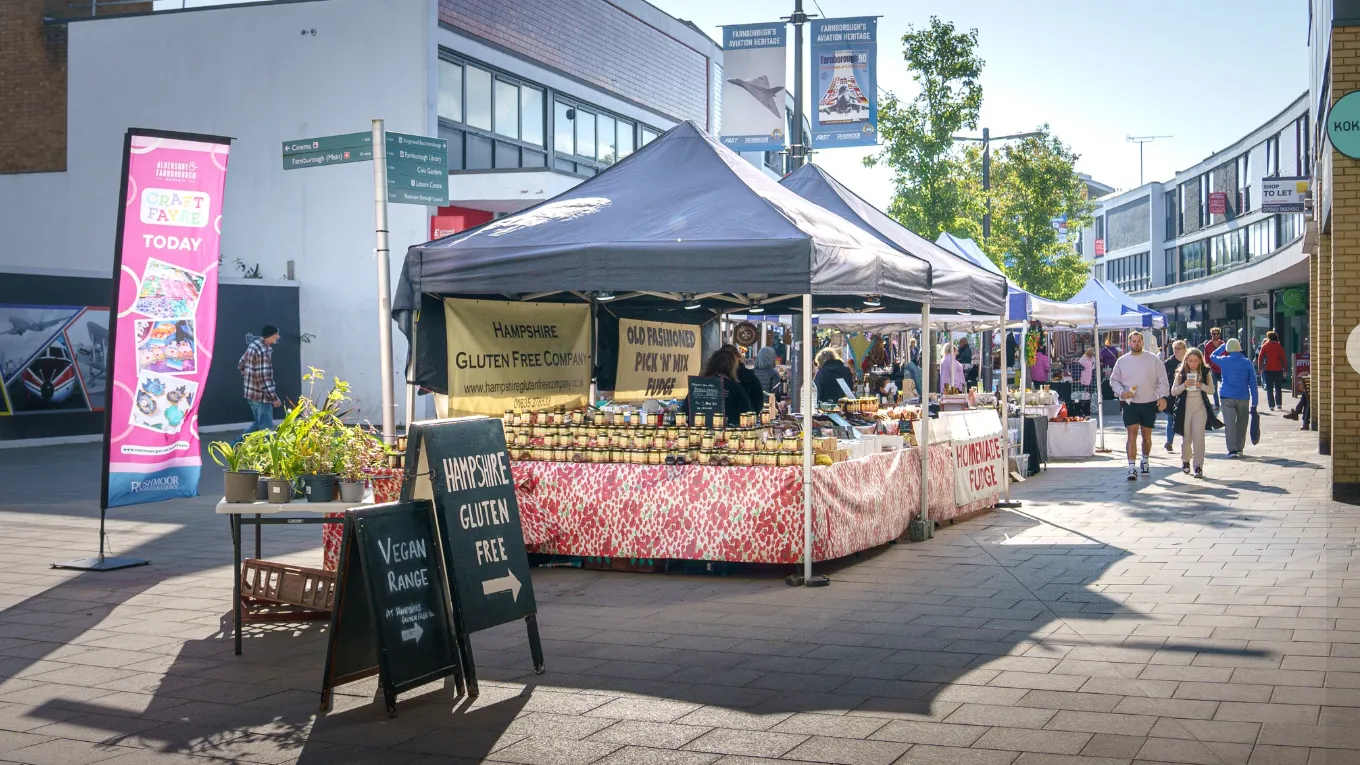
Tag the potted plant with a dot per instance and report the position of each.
(241, 479)
(281, 469)
(359, 454)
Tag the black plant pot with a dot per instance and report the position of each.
(262, 490)
(319, 488)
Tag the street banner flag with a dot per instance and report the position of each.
(754, 117)
(165, 313)
(845, 64)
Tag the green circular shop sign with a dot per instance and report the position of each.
(1343, 125)
(1293, 298)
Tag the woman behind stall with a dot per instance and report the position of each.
(952, 374)
(723, 364)
(830, 368)
(748, 380)
(767, 375)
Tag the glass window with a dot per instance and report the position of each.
(1169, 255)
(564, 130)
(450, 91)
(585, 133)
(1193, 265)
(534, 158)
(455, 139)
(531, 111)
(478, 152)
(507, 109)
(607, 140)
(507, 155)
(648, 135)
(1171, 217)
(478, 98)
(626, 138)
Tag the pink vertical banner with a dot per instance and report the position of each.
(165, 298)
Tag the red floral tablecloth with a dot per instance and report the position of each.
(752, 514)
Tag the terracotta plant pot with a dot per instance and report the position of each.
(351, 491)
(241, 487)
(280, 491)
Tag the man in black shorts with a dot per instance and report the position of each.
(1139, 380)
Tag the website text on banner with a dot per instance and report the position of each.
(754, 87)
(845, 63)
(503, 355)
(165, 297)
(978, 467)
(656, 360)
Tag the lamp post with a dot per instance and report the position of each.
(797, 150)
(986, 141)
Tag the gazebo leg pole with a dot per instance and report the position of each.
(1005, 406)
(809, 402)
(923, 436)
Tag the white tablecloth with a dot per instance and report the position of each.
(1071, 440)
(1049, 411)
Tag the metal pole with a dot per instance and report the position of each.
(389, 403)
(594, 350)
(987, 182)
(809, 402)
(1005, 408)
(1022, 358)
(1100, 393)
(924, 434)
(411, 375)
(1140, 162)
(797, 151)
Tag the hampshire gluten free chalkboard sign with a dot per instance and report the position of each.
(391, 613)
(464, 465)
(705, 399)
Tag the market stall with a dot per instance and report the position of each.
(680, 233)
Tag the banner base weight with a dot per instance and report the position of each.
(100, 563)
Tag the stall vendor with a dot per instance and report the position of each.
(830, 368)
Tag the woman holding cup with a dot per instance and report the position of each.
(1194, 409)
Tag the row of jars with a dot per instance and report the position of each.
(752, 440)
(715, 421)
(715, 457)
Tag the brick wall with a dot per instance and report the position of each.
(1344, 314)
(33, 81)
(1320, 272)
(594, 41)
(1190, 205)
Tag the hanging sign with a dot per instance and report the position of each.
(844, 65)
(390, 616)
(165, 297)
(655, 360)
(514, 355)
(754, 87)
(1100, 246)
(1283, 195)
(978, 467)
(1343, 125)
(1218, 203)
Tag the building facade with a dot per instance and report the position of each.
(1333, 241)
(1200, 249)
(533, 97)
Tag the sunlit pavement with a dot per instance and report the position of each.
(1104, 622)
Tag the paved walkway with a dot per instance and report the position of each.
(1103, 623)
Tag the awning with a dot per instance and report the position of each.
(1287, 267)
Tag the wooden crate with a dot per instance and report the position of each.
(265, 581)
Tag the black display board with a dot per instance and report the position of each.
(706, 398)
(391, 611)
(463, 464)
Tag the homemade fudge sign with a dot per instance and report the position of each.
(464, 466)
(705, 398)
(655, 360)
(978, 466)
(516, 355)
(391, 612)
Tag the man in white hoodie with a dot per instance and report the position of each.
(1139, 380)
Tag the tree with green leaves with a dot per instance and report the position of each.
(1034, 180)
(933, 191)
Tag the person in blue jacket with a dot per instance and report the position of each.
(1237, 391)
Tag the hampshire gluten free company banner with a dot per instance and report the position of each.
(165, 298)
(513, 355)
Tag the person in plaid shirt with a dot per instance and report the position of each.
(257, 370)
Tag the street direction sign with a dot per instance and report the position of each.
(417, 169)
(327, 150)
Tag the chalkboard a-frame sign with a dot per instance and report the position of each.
(391, 614)
(706, 398)
(464, 465)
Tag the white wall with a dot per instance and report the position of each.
(253, 74)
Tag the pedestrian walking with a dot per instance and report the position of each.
(1215, 342)
(1193, 409)
(1237, 391)
(257, 373)
(1139, 380)
(1173, 363)
(1270, 362)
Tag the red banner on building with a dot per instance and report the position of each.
(1218, 203)
(1100, 247)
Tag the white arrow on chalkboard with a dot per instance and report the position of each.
(413, 633)
(507, 583)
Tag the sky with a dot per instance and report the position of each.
(1206, 72)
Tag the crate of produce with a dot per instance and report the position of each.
(285, 584)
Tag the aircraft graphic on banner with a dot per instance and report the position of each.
(760, 90)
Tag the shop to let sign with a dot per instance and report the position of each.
(514, 355)
(655, 360)
(1284, 195)
(979, 464)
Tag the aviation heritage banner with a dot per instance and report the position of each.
(165, 313)
(845, 91)
(754, 87)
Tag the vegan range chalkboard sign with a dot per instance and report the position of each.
(706, 398)
(463, 464)
(391, 613)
